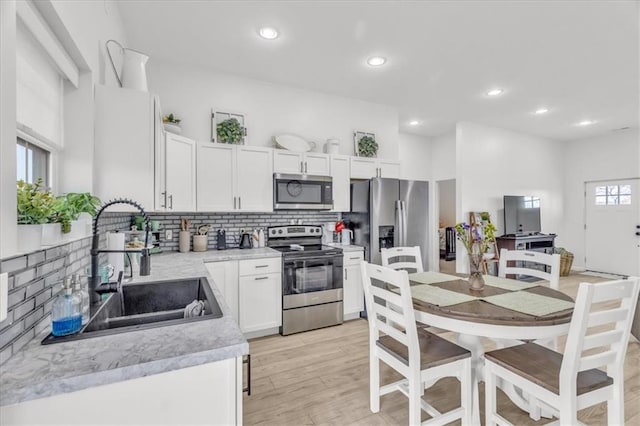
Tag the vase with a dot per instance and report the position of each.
(184, 241)
(476, 281)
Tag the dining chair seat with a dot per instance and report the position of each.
(434, 350)
(541, 366)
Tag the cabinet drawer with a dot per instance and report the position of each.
(260, 266)
(354, 257)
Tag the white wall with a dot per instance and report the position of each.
(443, 157)
(8, 213)
(414, 153)
(611, 156)
(190, 93)
(493, 162)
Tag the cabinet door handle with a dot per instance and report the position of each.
(261, 278)
(354, 258)
(239, 203)
(305, 167)
(262, 266)
(301, 169)
(164, 195)
(171, 201)
(234, 203)
(346, 274)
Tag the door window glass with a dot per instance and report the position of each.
(613, 195)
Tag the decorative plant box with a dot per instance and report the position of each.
(223, 130)
(365, 144)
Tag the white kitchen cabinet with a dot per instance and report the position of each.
(340, 171)
(216, 177)
(170, 398)
(179, 192)
(232, 178)
(128, 127)
(389, 169)
(254, 179)
(363, 168)
(253, 290)
(225, 278)
(352, 284)
(367, 168)
(260, 302)
(309, 163)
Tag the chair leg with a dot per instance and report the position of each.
(415, 408)
(374, 381)
(489, 396)
(466, 401)
(615, 406)
(568, 411)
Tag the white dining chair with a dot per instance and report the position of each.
(419, 356)
(552, 261)
(396, 258)
(570, 382)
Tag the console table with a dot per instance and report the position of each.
(544, 243)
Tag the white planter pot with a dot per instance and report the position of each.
(79, 229)
(51, 234)
(29, 238)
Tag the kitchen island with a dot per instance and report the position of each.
(158, 375)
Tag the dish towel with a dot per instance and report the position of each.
(194, 309)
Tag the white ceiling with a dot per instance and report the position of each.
(578, 58)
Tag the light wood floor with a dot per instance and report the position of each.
(322, 377)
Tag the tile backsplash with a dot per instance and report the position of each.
(233, 223)
(35, 280)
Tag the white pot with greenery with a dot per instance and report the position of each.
(51, 234)
(75, 212)
(35, 208)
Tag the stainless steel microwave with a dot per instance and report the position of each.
(302, 192)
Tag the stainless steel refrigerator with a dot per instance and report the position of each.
(389, 213)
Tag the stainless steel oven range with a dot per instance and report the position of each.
(311, 278)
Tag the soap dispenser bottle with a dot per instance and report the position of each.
(66, 313)
(83, 294)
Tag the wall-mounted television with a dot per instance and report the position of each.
(521, 215)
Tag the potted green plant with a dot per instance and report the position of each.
(172, 124)
(35, 208)
(230, 131)
(74, 211)
(367, 146)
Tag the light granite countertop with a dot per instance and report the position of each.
(39, 371)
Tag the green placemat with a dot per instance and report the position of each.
(430, 277)
(529, 303)
(438, 296)
(506, 283)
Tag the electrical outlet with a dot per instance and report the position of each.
(4, 295)
(168, 234)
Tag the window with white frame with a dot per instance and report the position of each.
(531, 202)
(32, 162)
(613, 195)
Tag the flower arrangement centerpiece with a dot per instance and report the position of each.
(476, 240)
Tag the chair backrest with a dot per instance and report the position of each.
(606, 344)
(396, 258)
(550, 260)
(388, 300)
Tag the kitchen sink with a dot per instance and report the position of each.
(146, 305)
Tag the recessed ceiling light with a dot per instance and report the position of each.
(376, 61)
(495, 92)
(414, 123)
(541, 111)
(268, 33)
(585, 123)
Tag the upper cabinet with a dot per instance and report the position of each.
(179, 192)
(127, 125)
(340, 171)
(310, 163)
(234, 178)
(367, 168)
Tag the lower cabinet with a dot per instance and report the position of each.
(174, 397)
(253, 290)
(352, 285)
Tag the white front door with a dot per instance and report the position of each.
(612, 234)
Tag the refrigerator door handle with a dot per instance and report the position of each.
(397, 232)
(403, 205)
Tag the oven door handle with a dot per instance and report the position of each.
(311, 257)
